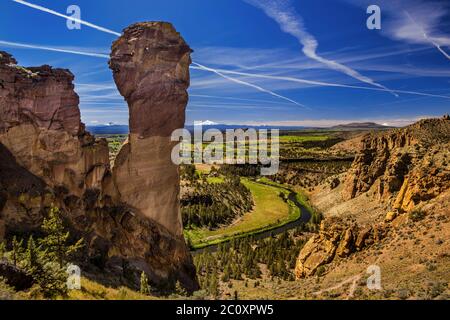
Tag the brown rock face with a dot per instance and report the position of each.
(40, 96)
(40, 125)
(337, 238)
(406, 165)
(150, 63)
(128, 218)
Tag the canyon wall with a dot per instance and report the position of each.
(404, 166)
(129, 215)
(407, 170)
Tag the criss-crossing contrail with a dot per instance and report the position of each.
(99, 55)
(326, 84)
(292, 23)
(32, 46)
(34, 6)
(88, 24)
(223, 73)
(198, 66)
(427, 38)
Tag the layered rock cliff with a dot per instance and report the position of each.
(408, 162)
(129, 216)
(401, 170)
(336, 238)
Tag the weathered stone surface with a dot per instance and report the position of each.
(150, 63)
(315, 253)
(41, 96)
(408, 165)
(346, 245)
(337, 238)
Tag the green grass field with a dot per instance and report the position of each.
(290, 139)
(270, 211)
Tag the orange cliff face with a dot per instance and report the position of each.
(150, 63)
(405, 166)
(129, 215)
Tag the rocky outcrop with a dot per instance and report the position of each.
(337, 238)
(40, 125)
(150, 64)
(40, 96)
(405, 166)
(403, 169)
(129, 216)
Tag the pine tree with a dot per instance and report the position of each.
(56, 241)
(17, 250)
(31, 255)
(2, 250)
(145, 289)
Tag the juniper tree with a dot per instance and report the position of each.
(17, 250)
(145, 289)
(56, 241)
(31, 256)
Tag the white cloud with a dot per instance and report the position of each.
(292, 23)
(414, 21)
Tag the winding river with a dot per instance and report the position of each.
(305, 216)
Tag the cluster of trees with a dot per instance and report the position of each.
(214, 204)
(321, 144)
(242, 170)
(309, 174)
(240, 259)
(188, 172)
(44, 259)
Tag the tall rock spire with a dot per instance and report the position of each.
(150, 64)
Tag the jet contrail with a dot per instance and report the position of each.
(219, 73)
(291, 23)
(231, 98)
(32, 46)
(35, 6)
(324, 84)
(118, 34)
(222, 73)
(430, 40)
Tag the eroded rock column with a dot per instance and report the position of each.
(150, 64)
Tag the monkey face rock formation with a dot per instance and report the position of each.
(150, 63)
(128, 217)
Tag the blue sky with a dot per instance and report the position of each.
(290, 62)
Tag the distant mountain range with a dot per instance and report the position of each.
(109, 129)
(123, 129)
(360, 126)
